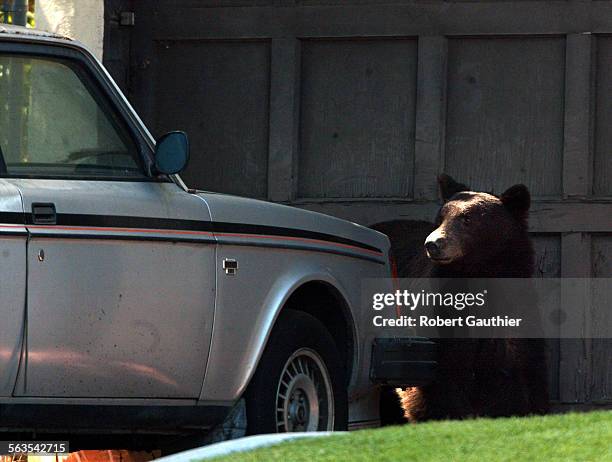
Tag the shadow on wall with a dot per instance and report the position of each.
(407, 245)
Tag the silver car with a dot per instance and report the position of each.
(130, 302)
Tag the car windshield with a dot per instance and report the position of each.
(54, 122)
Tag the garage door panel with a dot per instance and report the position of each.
(229, 84)
(602, 319)
(548, 265)
(602, 172)
(505, 113)
(357, 118)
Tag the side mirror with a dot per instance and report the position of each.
(172, 153)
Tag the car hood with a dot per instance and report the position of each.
(252, 213)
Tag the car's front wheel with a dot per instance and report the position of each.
(300, 383)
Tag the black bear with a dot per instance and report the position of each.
(476, 235)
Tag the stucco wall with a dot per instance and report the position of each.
(82, 20)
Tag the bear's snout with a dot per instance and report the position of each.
(434, 248)
(441, 249)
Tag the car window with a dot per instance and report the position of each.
(54, 122)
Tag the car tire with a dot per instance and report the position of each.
(300, 382)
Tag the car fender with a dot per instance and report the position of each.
(227, 384)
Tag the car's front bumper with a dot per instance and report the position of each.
(403, 362)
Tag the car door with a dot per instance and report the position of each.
(120, 266)
(12, 284)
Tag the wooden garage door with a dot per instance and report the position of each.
(353, 107)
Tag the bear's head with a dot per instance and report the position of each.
(475, 227)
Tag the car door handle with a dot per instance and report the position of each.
(44, 214)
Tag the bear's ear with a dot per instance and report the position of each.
(449, 187)
(517, 200)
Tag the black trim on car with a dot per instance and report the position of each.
(240, 228)
(12, 218)
(220, 228)
(71, 417)
(123, 221)
(297, 246)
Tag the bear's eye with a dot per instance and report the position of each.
(466, 220)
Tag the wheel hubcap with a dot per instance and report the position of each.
(304, 398)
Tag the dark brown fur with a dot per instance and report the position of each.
(485, 237)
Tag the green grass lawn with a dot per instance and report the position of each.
(565, 437)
